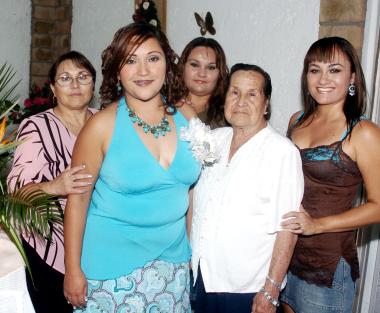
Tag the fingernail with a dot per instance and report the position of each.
(85, 299)
(89, 175)
(89, 184)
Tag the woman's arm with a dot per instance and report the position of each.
(365, 143)
(89, 149)
(282, 254)
(32, 163)
(288, 190)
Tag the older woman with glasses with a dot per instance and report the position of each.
(42, 162)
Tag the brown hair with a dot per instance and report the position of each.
(215, 112)
(78, 59)
(126, 40)
(323, 50)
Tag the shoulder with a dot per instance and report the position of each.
(279, 143)
(365, 132)
(186, 110)
(38, 122)
(294, 118)
(93, 110)
(102, 122)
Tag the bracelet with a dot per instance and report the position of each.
(269, 297)
(274, 283)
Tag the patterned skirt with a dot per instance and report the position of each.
(157, 287)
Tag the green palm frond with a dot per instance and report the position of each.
(26, 210)
(7, 73)
(29, 212)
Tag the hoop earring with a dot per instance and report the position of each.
(352, 90)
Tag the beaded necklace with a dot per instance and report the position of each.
(156, 130)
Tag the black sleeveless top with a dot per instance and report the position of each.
(332, 181)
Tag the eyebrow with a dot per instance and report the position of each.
(333, 64)
(195, 60)
(67, 73)
(154, 51)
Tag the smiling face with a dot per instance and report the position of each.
(328, 81)
(246, 103)
(75, 95)
(200, 71)
(143, 75)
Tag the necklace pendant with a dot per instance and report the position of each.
(156, 130)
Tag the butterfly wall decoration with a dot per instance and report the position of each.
(206, 25)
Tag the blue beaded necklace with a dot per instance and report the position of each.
(156, 130)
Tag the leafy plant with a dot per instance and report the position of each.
(24, 210)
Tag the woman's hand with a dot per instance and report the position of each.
(262, 305)
(68, 182)
(300, 223)
(75, 288)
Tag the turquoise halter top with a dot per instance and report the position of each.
(137, 209)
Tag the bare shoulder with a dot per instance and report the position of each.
(366, 132)
(294, 117)
(101, 124)
(186, 110)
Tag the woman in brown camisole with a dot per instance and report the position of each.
(340, 150)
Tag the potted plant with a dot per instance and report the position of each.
(21, 211)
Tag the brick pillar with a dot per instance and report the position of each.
(343, 18)
(51, 35)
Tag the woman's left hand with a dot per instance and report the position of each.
(300, 223)
(262, 305)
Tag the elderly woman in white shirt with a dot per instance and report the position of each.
(240, 252)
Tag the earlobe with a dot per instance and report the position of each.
(352, 78)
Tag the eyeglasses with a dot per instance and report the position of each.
(82, 79)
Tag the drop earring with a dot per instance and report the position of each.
(119, 88)
(351, 90)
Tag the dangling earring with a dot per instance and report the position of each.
(118, 87)
(351, 90)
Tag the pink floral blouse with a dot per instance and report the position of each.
(45, 153)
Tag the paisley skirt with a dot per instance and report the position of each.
(157, 287)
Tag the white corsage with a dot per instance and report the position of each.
(201, 141)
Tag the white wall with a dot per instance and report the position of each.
(15, 21)
(272, 34)
(94, 24)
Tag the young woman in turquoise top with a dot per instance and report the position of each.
(125, 242)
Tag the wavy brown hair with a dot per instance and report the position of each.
(323, 50)
(125, 41)
(215, 112)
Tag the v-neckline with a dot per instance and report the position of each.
(141, 142)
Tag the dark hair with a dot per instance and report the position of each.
(323, 50)
(215, 112)
(267, 88)
(126, 40)
(78, 59)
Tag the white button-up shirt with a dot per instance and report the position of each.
(237, 209)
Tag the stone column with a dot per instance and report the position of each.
(51, 35)
(343, 18)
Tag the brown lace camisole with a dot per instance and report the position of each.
(332, 181)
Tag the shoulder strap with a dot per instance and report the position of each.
(291, 127)
(350, 127)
